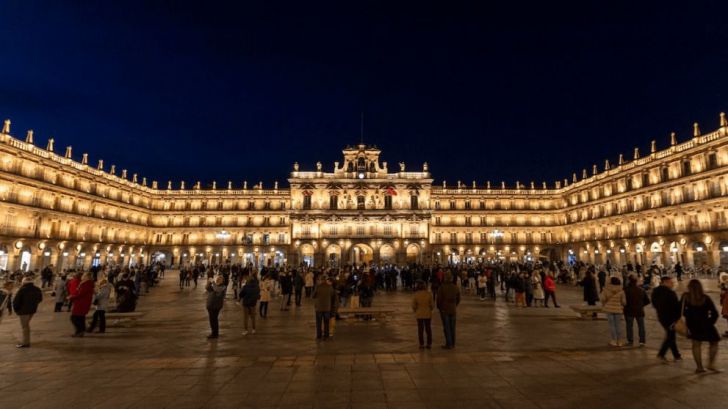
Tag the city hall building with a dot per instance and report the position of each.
(661, 206)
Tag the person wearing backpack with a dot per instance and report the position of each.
(249, 296)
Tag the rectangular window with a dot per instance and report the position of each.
(251, 205)
(414, 202)
(665, 174)
(266, 239)
(452, 204)
(438, 237)
(359, 230)
(482, 205)
(687, 170)
(387, 230)
(437, 205)
(306, 202)
(468, 237)
(333, 230)
(483, 237)
(712, 161)
(333, 202)
(467, 205)
(438, 221)
(360, 202)
(388, 202)
(281, 238)
(453, 238)
(468, 220)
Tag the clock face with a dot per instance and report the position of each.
(361, 175)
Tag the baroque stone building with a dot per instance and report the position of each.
(665, 206)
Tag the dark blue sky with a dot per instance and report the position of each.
(238, 90)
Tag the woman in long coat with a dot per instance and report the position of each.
(700, 316)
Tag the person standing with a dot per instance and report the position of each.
(635, 299)
(266, 286)
(422, 305)
(448, 298)
(591, 293)
(25, 305)
(324, 302)
(613, 299)
(723, 280)
(298, 284)
(249, 295)
(6, 299)
(538, 293)
(101, 300)
(667, 306)
(286, 290)
(81, 301)
(72, 288)
(309, 283)
(215, 301)
(46, 277)
(60, 292)
(700, 317)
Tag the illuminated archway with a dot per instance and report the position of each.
(361, 254)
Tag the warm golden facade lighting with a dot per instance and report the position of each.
(671, 205)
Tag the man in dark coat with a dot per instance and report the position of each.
(448, 298)
(25, 304)
(324, 297)
(634, 309)
(667, 305)
(249, 296)
(298, 284)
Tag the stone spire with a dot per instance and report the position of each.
(69, 151)
(723, 120)
(275, 185)
(101, 165)
(673, 139)
(6, 126)
(113, 170)
(621, 159)
(573, 177)
(543, 185)
(594, 169)
(29, 136)
(473, 185)
(144, 181)
(503, 185)
(230, 184)
(155, 185)
(653, 146)
(123, 173)
(182, 185)
(245, 185)
(214, 185)
(533, 185)
(169, 185)
(696, 130)
(488, 184)
(606, 164)
(583, 174)
(49, 145)
(197, 185)
(636, 153)
(84, 159)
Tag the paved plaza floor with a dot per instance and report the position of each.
(506, 357)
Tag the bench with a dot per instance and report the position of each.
(586, 311)
(361, 311)
(114, 318)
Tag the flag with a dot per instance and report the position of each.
(391, 191)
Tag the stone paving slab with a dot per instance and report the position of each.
(506, 357)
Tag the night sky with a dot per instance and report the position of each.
(215, 91)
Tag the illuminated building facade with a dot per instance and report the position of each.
(665, 206)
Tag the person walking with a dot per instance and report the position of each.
(324, 302)
(60, 292)
(723, 280)
(635, 299)
(286, 290)
(549, 288)
(612, 299)
(101, 301)
(215, 301)
(700, 316)
(72, 288)
(81, 302)
(25, 305)
(448, 298)
(665, 302)
(591, 293)
(249, 295)
(266, 286)
(422, 305)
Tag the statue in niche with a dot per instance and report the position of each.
(318, 166)
(401, 166)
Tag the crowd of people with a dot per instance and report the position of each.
(622, 294)
(79, 292)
